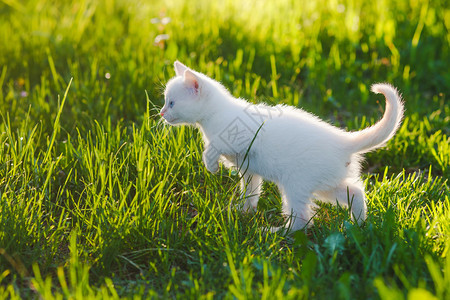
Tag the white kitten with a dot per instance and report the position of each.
(306, 157)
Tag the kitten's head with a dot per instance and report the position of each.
(183, 96)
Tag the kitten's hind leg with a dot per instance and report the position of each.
(349, 193)
(296, 205)
(300, 217)
(250, 189)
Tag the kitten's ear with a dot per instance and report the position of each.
(191, 80)
(179, 68)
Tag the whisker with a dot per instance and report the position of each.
(160, 87)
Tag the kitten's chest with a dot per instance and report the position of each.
(236, 136)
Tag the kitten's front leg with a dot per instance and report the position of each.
(251, 189)
(211, 158)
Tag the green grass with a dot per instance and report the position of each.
(99, 199)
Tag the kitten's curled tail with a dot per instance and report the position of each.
(377, 135)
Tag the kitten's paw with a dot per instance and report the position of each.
(275, 229)
(213, 168)
(248, 207)
(291, 226)
(279, 229)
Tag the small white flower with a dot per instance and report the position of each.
(161, 37)
(166, 20)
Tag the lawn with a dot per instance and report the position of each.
(100, 199)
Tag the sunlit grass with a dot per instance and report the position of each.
(98, 198)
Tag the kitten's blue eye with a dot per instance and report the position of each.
(171, 104)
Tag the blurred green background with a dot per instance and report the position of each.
(92, 185)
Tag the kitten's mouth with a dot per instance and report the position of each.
(172, 121)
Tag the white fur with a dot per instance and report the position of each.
(306, 157)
